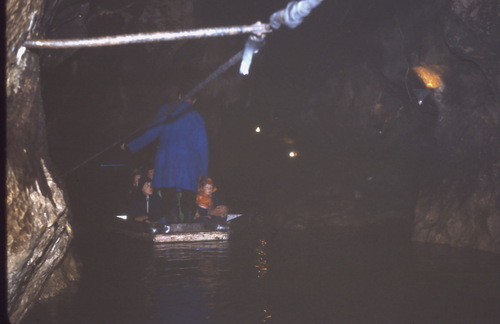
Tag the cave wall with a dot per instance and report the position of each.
(459, 203)
(366, 112)
(37, 217)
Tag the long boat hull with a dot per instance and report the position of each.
(195, 232)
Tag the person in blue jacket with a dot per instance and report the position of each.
(181, 157)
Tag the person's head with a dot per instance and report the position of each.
(150, 173)
(145, 186)
(135, 179)
(206, 186)
(208, 189)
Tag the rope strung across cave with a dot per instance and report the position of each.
(291, 16)
(141, 38)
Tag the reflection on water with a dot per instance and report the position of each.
(280, 278)
(185, 278)
(261, 264)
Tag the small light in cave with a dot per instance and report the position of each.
(421, 94)
(293, 154)
(257, 130)
(429, 76)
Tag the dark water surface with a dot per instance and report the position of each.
(354, 276)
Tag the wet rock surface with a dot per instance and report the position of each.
(459, 204)
(38, 229)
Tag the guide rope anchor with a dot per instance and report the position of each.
(252, 46)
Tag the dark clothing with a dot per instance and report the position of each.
(152, 206)
(204, 212)
(179, 201)
(206, 219)
(182, 154)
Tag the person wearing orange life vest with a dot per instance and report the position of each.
(209, 207)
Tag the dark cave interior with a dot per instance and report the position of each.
(342, 90)
(391, 109)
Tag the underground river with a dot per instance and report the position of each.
(363, 275)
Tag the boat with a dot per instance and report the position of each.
(192, 232)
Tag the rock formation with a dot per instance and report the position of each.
(460, 203)
(38, 228)
(402, 102)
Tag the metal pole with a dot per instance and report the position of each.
(258, 28)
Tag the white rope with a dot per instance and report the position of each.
(257, 28)
(293, 14)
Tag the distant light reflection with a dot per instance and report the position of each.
(267, 315)
(262, 264)
(257, 130)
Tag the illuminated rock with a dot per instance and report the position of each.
(38, 230)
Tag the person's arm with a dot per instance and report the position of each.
(197, 214)
(220, 211)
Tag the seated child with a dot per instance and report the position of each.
(134, 186)
(146, 206)
(209, 207)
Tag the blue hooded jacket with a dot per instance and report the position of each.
(182, 154)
